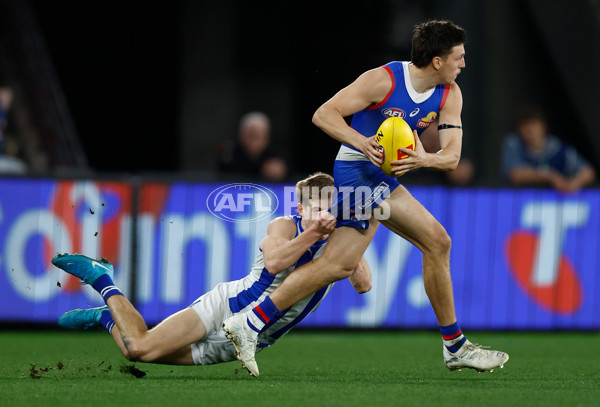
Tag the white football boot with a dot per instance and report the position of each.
(244, 339)
(473, 356)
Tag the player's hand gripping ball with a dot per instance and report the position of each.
(393, 134)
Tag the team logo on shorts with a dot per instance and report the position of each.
(393, 112)
(242, 202)
(371, 197)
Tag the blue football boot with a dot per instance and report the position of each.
(87, 269)
(81, 319)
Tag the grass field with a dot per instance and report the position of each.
(307, 369)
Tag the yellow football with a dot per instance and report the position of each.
(394, 133)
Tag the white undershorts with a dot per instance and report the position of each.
(213, 309)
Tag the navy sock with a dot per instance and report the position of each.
(453, 337)
(105, 286)
(107, 320)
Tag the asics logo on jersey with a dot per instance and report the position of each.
(393, 112)
(414, 112)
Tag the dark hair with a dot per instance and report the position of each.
(435, 38)
(529, 113)
(314, 186)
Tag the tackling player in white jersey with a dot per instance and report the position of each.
(194, 335)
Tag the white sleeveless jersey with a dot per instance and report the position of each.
(260, 284)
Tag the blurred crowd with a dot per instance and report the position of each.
(531, 156)
(10, 163)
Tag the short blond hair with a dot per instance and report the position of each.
(314, 186)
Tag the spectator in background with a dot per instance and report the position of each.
(252, 152)
(6, 97)
(9, 162)
(533, 156)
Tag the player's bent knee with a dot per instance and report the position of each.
(444, 243)
(439, 242)
(334, 268)
(126, 354)
(342, 271)
(129, 356)
(134, 353)
(363, 288)
(137, 352)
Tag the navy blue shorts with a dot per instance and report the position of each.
(361, 187)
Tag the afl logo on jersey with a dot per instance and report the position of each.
(393, 112)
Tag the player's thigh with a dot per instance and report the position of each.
(214, 306)
(411, 220)
(175, 332)
(346, 245)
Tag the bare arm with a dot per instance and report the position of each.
(584, 177)
(281, 249)
(368, 89)
(448, 156)
(361, 277)
(530, 175)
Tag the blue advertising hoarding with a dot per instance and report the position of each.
(40, 218)
(521, 259)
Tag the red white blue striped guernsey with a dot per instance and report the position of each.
(419, 110)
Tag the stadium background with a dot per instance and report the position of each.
(128, 102)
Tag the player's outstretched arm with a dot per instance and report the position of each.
(281, 249)
(361, 277)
